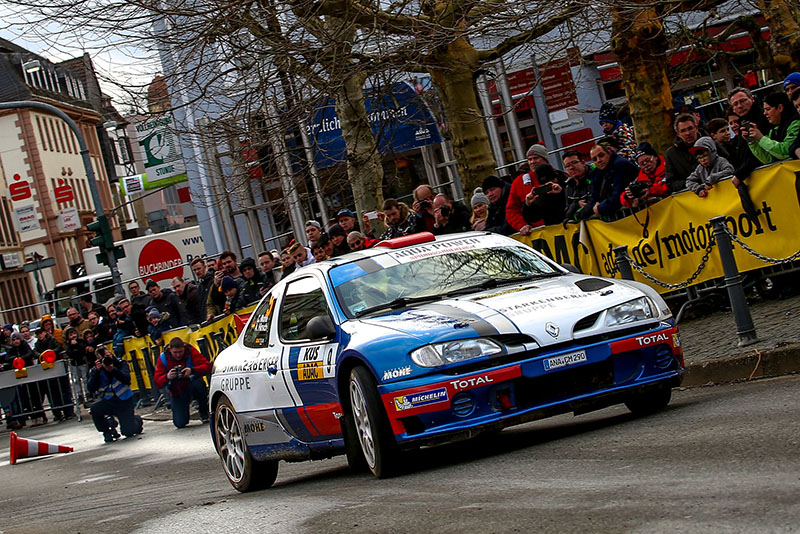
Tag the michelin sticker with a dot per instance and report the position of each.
(317, 362)
(411, 254)
(415, 400)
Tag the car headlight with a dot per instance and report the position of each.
(630, 312)
(454, 351)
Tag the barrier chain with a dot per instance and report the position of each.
(758, 255)
(682, 285)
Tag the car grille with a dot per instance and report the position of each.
(463, 404)
(564, 384)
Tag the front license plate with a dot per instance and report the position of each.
(564, 360)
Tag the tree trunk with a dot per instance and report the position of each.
(453, 75)
(640, 47)
(785, 34)
(364, 169)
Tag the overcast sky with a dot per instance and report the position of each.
(116, 66)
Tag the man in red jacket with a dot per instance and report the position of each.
(180, 369)
(522, 192)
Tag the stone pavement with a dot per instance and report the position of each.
(712, 354)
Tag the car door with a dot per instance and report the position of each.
(309, 366)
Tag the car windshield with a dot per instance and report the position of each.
(362, 286)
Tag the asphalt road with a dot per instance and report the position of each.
(719, 459)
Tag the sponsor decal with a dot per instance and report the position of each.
(396, 373)
(548, 302)
(252, 428)
(316, 363)
(414, 400)
(472, 382)
(676, 339)
(249, 366)
(235, 383)
(309, 371)
(660, 337)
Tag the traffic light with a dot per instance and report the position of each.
(102, 230)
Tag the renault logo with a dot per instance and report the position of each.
(551, 329)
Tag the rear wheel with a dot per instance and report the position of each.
(243, 472)
(370, 425)
(649, 401)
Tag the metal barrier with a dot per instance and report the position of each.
(24, 397)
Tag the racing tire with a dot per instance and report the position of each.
(243, 472)
(649, 401)
(372, 431)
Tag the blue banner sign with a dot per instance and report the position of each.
(400, 120)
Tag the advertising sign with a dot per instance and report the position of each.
(68, 219)
(26, 218)
(161, 152)
(400, 120)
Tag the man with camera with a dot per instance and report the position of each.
(650, 184)
(109, 381)
(180, 369)
(450, 217)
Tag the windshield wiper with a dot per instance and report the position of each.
(399, 302)
(490, 283)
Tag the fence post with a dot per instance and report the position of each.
(745, 328)
(623, 262)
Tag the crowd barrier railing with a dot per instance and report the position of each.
(39, 389)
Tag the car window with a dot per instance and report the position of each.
(360, 287)
(257, 334)
(303, 301)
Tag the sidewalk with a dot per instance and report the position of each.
(712, 354)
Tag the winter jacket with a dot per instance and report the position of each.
(718, 168)
(76, 352)
(522, 185)
(109, 385)
(624, 136)
(775, 145)
(169, 302)
(252, 288)
(24, 351)
(192, 359)
(193, 305)
(48, 343)
(658, 188)
(411, 225)
(549, 207)
(577, 190)
(738, 153)
(678, 164)
(155, 331)
(496, 220)
(609, 183)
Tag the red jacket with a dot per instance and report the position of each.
(659, 189)
(199, 364)
(522, 185)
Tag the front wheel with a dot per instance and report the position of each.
(243, 472)
(371, 426)
(649, 401)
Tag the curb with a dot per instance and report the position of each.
(782, 360)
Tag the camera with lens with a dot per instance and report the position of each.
(445, 211)
(107, 360)
(746, 125)
(178, 371)
(425, 203)
(637, 189)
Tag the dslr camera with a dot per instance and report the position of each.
(179, 371)
(637, 189)
(108, 360)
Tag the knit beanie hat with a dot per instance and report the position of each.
(608, 113)
(16, 335)
(228, 283)
(492, 181)
(793, 78)
(537, 149)
(154, 314)
(478, 196)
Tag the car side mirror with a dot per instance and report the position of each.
(320, 327)
(571, 268)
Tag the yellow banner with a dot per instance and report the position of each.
(669, 239)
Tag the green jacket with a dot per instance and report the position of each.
(768, 150)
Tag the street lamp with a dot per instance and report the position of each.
(87, 163)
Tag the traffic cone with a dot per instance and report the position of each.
(28, 448)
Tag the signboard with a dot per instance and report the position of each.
(160, 147)
(31, 266)
(68, 219)
(63, 192)
(10, 260)
(400, 120)
(20, 189)
(558, 85)
(26, 218)
(568, 125)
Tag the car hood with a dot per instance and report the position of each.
(546, 310)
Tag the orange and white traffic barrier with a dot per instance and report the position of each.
(28, 448)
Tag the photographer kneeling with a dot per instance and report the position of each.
(181, 368)
(109, 381)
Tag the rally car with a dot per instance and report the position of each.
(422, 340)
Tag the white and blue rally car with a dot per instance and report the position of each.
(422, 340)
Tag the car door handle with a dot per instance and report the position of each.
(272, 369)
